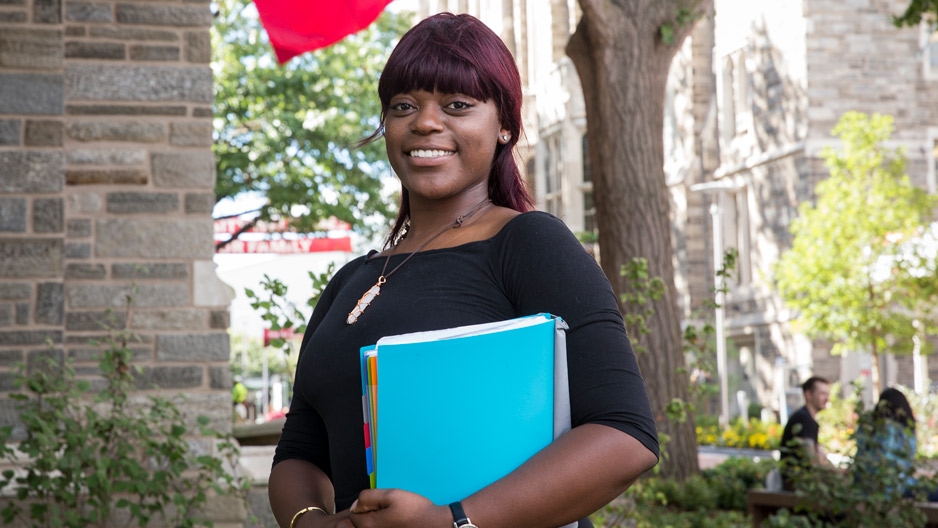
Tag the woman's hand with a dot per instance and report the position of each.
(316, 519)
(394, 508)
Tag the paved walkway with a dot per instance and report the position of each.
(708, 456)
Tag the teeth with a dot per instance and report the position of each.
(429, 153)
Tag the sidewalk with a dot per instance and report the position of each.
(710, 456)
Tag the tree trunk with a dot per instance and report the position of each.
(623, 67)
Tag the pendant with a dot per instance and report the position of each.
(366, 299)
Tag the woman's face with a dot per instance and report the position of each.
(441, 145)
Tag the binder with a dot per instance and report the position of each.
(462, 407)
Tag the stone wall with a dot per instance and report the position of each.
(106, 185)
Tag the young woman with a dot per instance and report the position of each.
(465, 249)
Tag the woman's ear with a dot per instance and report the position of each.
(504, 136)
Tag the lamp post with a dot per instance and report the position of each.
(720, 187)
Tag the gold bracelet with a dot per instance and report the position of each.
(304, 510)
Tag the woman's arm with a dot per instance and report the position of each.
(577, 474)
(296, 484)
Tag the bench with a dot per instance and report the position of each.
(763, 503)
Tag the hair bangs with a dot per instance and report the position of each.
(425, 66)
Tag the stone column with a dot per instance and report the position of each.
(106, 185)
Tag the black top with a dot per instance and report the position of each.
(533, 265)
(791, 452)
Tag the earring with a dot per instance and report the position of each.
(505, 138)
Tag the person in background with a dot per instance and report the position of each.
(465, 249)
(799, 447)
(886, 447)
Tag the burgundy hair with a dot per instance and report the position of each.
(459, 54)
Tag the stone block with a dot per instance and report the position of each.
(132, 33)
(194, 169)
(193, 348)
(216, 405)
(13, 17)
(164, 15)
(88, 12)
(78, 228)
(31, 94)
(142, 203)
(136, 132)
(101, 82)
(7, 314)
(84, 203)
(88, 355)
(198, 46)
(10, 132)
(7, 382)
(48, 215)
(32, 171)
(155, 238)
(29, 337)
(47, 11)
(43, 133)
(169, 378)
(13, 291)
(75, 250)
(9, 358)
(106, 157)
(149, 271)
(50, 303)
(22, 313)
(13, 215)
(95, 50)
(37, 257)
(85, 271)
(154, 53)
(208, 289)
(203, 112)
(164, 320)
(95, 321)
(75, 31)
(101, 110)
(200, 203)
(189, 134)
(31, 49)
(219, 319)
(106, 177)
(116, 295)
(220, 378)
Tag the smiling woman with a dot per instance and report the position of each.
(465, 249)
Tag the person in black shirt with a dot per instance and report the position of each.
(466, 248)
(799, 446)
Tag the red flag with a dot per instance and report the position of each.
(298, 26)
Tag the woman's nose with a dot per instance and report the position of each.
(427, 119)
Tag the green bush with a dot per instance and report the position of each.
(731, 479)
(93, 456)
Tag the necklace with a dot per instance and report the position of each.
(375, 290)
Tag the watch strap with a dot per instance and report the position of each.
(459, 515)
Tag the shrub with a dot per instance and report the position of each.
(93, 457)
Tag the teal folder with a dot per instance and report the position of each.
(457, 409)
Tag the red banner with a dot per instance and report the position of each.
(286, 247)
(283, 333)
(298, 26)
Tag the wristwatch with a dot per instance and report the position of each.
(459, 516)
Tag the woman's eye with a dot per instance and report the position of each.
(459, 105)
(401, 106)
